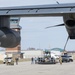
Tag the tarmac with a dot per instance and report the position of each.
(26, 68)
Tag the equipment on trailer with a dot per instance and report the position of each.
(46, 59)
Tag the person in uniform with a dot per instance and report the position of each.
(32, 60)
(60, 60)
(16, 59)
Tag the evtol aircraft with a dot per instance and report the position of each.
(10, 38)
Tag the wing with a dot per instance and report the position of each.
(39, 10)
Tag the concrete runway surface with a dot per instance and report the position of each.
(26, 68)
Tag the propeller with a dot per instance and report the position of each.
(66, 42)
(55, 26)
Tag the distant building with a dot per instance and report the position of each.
(2, 54)
(32, 53)
(57, 49)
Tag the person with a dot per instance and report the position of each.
(32, 60)
(38, 59)
(60, 60)
(7, 62)
(16, 59)
(35, 60)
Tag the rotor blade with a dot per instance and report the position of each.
(55, 26)
(66, 42)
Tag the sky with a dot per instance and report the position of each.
(33, 32)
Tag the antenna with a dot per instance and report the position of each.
(57, 2)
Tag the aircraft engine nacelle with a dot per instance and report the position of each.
(9, 38)
(69, 21)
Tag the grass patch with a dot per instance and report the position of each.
(23, 60)
(1, 62)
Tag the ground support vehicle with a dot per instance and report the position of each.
(46, 59)
(8, 61)
(66, 58)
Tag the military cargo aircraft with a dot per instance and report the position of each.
(10, 38)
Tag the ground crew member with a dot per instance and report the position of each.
(32, 60)
(16, 59)
(60, 60)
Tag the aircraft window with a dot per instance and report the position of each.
(13, 21)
